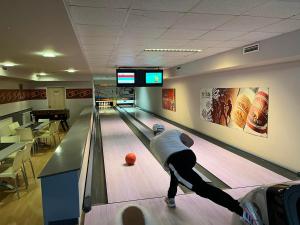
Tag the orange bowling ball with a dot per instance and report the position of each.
(130, 158)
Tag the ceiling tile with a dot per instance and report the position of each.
(255, 36)
(199, 44)
(101, 3)
(283, 26)
(147, 19)
(201, 21)
(247, 23)
(166, 43)
(232, 44)
(98, 31)
(142, 32)
(126, 51)
(231, 7)
(164, 5)
(96, 48)
(101, 58)
(98, 16)
(97, 53)
(221, 35)
(122, 59)
(216, 50)
(178, 54)
(148, 55)
(278, 9)
(97, 41)
(182, 34)
(134, 42)
(97, 60)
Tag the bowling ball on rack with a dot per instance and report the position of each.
(130, 159)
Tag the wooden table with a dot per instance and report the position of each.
(35, 126)
(11, 149)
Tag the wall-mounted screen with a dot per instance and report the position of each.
(154, 77)
(125, 77)
(139, 77)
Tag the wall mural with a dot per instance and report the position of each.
(16, 95)
(169, 99)
(241, 108)
(79, 93)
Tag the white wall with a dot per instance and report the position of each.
(281, 146)
(74, 105)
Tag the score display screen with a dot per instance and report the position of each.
(153, 77)
(125, 77)
(139, 77)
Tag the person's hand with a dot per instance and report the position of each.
(186, 140)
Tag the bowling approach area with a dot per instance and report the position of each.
(135, 193)
(82, 82)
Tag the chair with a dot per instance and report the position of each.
(13, 171)
(10, 139)
(5, 131)
(26, 135)
(27, 157)
(13, 127)
(52, 132)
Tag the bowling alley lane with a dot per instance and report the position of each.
(191, 209)
(224, 164)
(145, 179)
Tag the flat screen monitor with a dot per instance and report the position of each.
(126, 78)
(154, 77)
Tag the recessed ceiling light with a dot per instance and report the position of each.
(42, 74)
(71, 70)
(8, 64)
(171, 50)
(48, 53)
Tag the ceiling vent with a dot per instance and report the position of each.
(251, 48)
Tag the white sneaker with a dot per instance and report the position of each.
(250, 215)
(170, 202)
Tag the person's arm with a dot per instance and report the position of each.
(186, 140)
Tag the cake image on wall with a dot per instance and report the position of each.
(257, 119)
(240, 108)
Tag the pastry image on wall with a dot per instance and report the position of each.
(241, 110)
(257, 120)
(242, 107)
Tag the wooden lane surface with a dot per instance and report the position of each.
(232, 169)
(191, 209)
(146, 179)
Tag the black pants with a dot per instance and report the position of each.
(181, 169)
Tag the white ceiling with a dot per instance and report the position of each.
(95, 36)
(33, 25)
(115, 32)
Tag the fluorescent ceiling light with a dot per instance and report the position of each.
(48, 53)
(71, 70)
(171, 50)
(8, 64)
